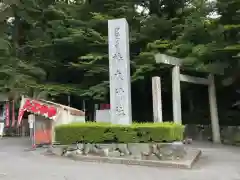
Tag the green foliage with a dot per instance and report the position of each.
(230, 20)
(61, 47)
(108, 133)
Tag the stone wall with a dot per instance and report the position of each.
(229, 134)
(141, 151)
(174, 154)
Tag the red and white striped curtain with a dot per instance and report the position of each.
(7, 115)
(21, 111)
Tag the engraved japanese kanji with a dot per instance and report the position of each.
(118, 75)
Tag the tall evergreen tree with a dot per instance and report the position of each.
(230, 20)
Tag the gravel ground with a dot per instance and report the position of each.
(218, 162)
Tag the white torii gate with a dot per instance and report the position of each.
(177, 77)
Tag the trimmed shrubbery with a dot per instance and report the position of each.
(109, 133)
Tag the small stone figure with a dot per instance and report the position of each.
(154, 149)
(66, 151)
(187, 141)
(123, 149)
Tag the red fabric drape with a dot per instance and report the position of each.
(20, 112)
(36, 107)
(7, 115)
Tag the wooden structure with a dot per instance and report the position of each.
(177, 77)
(47, 116)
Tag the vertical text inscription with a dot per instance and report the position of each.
(119, 72)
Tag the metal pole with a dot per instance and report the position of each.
(34, 130)
(31, 121)
(31, 134)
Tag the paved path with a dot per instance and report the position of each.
(217, 163)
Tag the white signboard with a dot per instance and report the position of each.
(103, 116)
(119, 72)
(31, 119)
(1, 129)
(30, 124)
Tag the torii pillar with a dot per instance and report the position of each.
(177, 77)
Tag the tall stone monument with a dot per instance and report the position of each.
(119, 72)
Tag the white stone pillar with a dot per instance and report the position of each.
(176, 95)
(214, 110)
(119, 72)
(157, 99)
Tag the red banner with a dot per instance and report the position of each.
(21, 111)
(20, 115)
(39, 108)
(13, 114)
(36, 107)
(104, 106)
(7, 115)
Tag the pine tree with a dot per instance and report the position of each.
(16, 72)
(230, 19)
(32, 37)
(91, 31)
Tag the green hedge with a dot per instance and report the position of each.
(109, 133)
